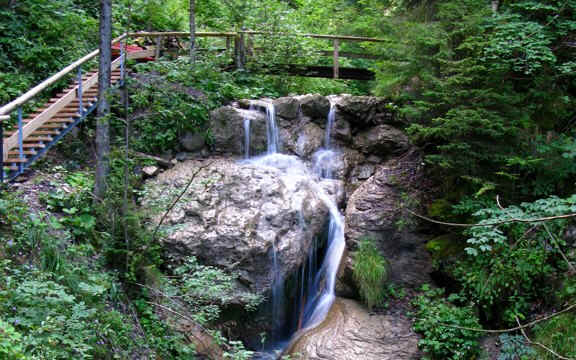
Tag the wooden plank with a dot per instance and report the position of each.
(142, 54)
(8, 108)
(27, 152)
(55, 108)
(352, 55)
(38, 138)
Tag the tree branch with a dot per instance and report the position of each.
(490, 224)
(178, 198)
(541, 345)
(520, 327)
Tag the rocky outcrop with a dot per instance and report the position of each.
(351, 333)
(376, 210)
(235, 216)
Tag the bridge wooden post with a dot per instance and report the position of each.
(159, 43)
(336, 60)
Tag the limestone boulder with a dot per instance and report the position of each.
(192, 141)
(368, 111)
(314, 106)
(376, 210)
(287, 107)
(238, 217)
(227, 127)
(383, 140)
(350, 332)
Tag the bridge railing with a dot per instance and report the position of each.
(240, 41)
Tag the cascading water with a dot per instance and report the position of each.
(316, 293)
(272, 130)
(247, 132)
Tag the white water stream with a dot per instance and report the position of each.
(317, 289)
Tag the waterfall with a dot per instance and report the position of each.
(272, 130)
(317, 285)
(330, 124)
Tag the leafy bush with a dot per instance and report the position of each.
(508, 265)
(514, 347)
(10, 342)
(370, 272)
(433, 318)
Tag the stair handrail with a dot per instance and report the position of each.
(24, 98)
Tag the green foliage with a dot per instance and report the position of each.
(514, 347)
(470, 81)
(510, 265)
(558, 333)
(10, 342)
(370, 273)
(74, 200)
(433, 318)
(32, 45)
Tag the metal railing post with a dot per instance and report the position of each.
(1, 150)
(20, 139)
(122, 62)
(80, 92)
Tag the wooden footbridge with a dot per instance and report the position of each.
(26, 137)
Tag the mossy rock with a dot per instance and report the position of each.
(445, 246)
(440, 209)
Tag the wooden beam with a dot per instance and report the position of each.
(233, 34)
(8, 108)
(51, 111)
(336, 64)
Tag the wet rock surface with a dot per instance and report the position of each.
(350, 332)
(234, 215)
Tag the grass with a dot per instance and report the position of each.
(370, 273)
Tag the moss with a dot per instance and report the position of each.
(445, 246)
(440, 209)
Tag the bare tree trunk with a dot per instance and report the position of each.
(192, 31)
(102, 122)
(495, 6)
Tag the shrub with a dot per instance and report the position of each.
(370, 272)
(10, 346)
(433, 319)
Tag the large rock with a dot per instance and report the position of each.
(192, 141)
(235, 216)
(287, 107)
(383, 140)
(367, 111)
(228, 135)
(376, 210)
(314, 106)
(351, 333)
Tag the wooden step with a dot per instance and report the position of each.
(37, 132)
(26, 152)
(52, 126)
(67, 114)
(33, 145)
(38, 138)
(60, 120)
(15, 160)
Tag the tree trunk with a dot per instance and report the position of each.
(495, 6)
(192, 31)
(102, 121)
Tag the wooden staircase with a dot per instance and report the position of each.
(32, 136)
(47, 125)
